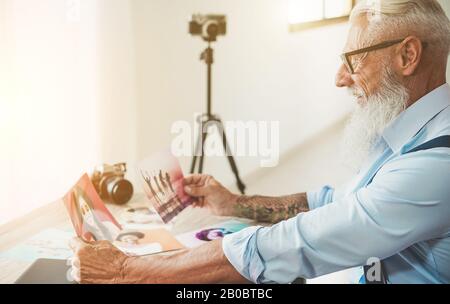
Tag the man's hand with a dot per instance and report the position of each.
(97, 263)
(102, 263)
(209, 193)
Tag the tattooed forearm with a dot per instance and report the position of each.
(271, 209)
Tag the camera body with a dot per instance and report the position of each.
(111, 185)
(208, 26)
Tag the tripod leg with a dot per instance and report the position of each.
(202, 157)
(194, 158)
(198, 146)
(193, 163)
(240, 184)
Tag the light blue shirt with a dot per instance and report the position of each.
(402, 217)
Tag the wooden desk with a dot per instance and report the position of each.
(55, 215)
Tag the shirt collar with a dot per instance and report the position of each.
(413, 119)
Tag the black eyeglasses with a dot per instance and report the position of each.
(346, 57)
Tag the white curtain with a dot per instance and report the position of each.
(66, 96)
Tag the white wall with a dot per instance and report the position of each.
(262, 72)
(117, 81)
(66, 98)
(52, 84)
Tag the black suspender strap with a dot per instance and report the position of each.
(439, 142)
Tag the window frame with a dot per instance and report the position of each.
(295, 27)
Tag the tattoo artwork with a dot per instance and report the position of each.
(271, 209)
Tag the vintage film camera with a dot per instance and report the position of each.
(208, 26)
(111, 185)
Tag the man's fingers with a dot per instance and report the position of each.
(76, 244)
(196, 191)
(199, 203)
(73, 261)
(194, 179)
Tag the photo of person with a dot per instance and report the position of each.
(140, 215)
(147, 242)
(131, 237)
(212, 234)
(100, 230)
(162, 180)
(207, 234)
(91, 219)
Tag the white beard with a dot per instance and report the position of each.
(370, 119)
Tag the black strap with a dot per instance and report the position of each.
(439, 142)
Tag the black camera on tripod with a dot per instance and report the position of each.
(208, 26)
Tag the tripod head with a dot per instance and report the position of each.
(207, 55)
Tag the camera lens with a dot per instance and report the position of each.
(212, 30)
(120, 190)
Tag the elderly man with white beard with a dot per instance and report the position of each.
(390, 224)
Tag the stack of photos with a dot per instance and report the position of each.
(92, 222)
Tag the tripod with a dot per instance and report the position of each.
(208, 120)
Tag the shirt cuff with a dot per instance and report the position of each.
(241, 251)
(320, 198)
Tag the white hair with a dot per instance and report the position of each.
(394, 19)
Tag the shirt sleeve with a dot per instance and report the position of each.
(320, 198)
(408, 202)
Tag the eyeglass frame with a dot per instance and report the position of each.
(346, 56)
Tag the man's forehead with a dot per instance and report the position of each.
(357, 37)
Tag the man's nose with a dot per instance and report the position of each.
(343, 77)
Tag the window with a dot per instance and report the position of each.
(304, 14)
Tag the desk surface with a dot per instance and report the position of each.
(54, 215)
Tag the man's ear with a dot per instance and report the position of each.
(409, 56)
